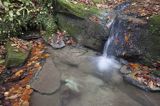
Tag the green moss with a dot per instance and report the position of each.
(72, 29)
(98, 1)
(154, 35)
(47, 23)
(79, 9)
(156, 73)
(14, 58)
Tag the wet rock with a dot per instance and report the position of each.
(133, 40)
(86, 32)
(131, 80)
(14, 58)
(72, 63)
(125, 70)
(38, 99)
(71, 56)
(154, 37)
(48, 80)
(59, 45)
(74, 18)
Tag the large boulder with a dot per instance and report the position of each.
(86, 32)
(75, 18)
(135, 39)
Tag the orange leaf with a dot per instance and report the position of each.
(126, 38)
(19, 73)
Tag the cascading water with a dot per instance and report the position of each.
(107, 61)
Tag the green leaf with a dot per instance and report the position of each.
(11, 13)
(6, 4)
(11, 18)
(18, 13)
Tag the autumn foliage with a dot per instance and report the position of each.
(16, 90)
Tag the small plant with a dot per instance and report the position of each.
(17, 15)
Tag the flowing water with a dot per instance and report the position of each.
(100, 83)
(107, 61)
(108, 64)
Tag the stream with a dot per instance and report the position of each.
(88, 79)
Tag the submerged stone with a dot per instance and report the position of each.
(48, 80)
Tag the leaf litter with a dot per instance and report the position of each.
(15, 89)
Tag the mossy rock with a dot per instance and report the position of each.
(156, 73)
(154, 35)
(86, 32)
(14, 58)
(152, 43)
(80, 9)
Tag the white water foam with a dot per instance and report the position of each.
(107, 63)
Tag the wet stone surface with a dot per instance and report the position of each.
(47, 81)
(81, 86)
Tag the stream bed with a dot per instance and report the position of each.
(82, 84)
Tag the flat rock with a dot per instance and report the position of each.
(125, 70)
(38, 99)
(48, 80)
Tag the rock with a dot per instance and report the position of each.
(125, 70)
(154, 37)
(72, 64)
(48, 80)
(38, 99)
(79, 9)
(134, 41)
(76, 22)
(59, 45)
(86, 32)
(14, 58)
(129, 78)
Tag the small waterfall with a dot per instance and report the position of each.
(107, 61)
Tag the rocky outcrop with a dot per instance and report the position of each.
(86, 32)
(74, 17)
(135, 39)
(154, 37)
